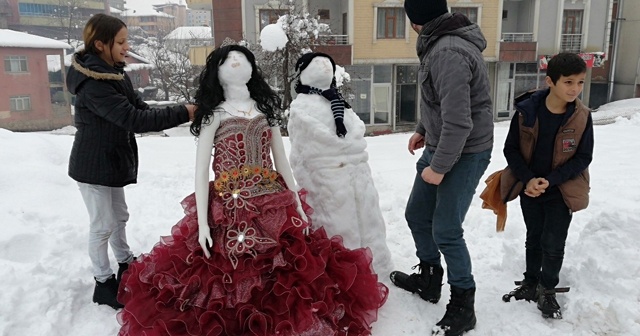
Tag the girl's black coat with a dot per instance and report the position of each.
(107, 114)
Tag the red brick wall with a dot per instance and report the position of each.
(341, 54)
(227, 20)
(34, 83)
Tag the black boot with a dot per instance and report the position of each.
(106, 293)
(548, 304)
(528, 290)
(460, 315)
(427, 283)
(123, 267)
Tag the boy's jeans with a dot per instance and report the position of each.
(547, 219)
(108, 217)
(435, 215)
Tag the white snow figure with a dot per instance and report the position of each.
(329, 159)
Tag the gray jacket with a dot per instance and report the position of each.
(455, 110)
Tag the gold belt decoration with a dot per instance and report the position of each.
(251, 179)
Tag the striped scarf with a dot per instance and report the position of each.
(338, 104)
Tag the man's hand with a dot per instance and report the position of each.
(536, 187)
(415, 142)
(431, 177)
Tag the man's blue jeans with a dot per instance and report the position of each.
(435, 214)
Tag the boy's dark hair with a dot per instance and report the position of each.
(103, 28)
(565, 64)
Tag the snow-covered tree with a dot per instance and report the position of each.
(294, 34)
(173, 73)
(66, 15)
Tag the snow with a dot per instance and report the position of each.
(148, 4)
(12, 38)
(273, 37)
(189, 33)
(46, 276)
(608, 113)
(144, 12)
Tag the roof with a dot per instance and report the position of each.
(143, 12)
(190, 33)
(12, 38)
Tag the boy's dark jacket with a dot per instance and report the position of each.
(572, 153)
(107, 114)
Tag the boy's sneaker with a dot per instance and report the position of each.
(527, 291)
(427, 282)
(548, 304)
(460, 316)
(106, 293)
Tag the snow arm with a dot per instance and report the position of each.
(203, 164)
(282, 166)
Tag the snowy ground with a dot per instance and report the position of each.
(46, 279)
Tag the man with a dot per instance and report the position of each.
(456, 129)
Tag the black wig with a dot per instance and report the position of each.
(210, 92)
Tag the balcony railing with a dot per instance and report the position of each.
(517, 37)
(333, 39)
(571, 43)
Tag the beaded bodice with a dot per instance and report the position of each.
(242, 142)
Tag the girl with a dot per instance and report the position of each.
(104, 156)
(239, 262)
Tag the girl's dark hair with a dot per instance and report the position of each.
(103, 28)
(565, 64)
(210, 92)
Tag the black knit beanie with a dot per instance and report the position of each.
(304, 61)
(422, 11)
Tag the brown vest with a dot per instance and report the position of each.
(575, 191)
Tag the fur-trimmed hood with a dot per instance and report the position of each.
(89, 66)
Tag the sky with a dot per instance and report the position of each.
(46, 276)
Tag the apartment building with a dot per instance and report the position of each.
(153, 23)
(50, 18)
(33, 97)
(196, 17)
(535, 30)
(178, 11)
(625, 61)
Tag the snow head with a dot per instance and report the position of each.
(236, 69)
(316, 76)
(316, 70)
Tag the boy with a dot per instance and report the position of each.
(548, 148)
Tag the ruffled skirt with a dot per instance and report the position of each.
(278, 282)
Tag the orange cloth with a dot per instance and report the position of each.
(492, 199)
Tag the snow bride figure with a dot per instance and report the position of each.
(241, 261)
(329, 159)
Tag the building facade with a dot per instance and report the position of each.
(625, 68)
(51, 18)
(199, 17)
(33, 96)
(535, 30)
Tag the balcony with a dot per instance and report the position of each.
(335, 45)
(518, 48)
(332, 40)
(571, 43)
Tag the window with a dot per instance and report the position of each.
(269, 16)
(15, 64)
(324, 14)
(470, 12)
(20, 103)
(391, 23)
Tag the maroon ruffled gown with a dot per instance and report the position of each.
(265, 276)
